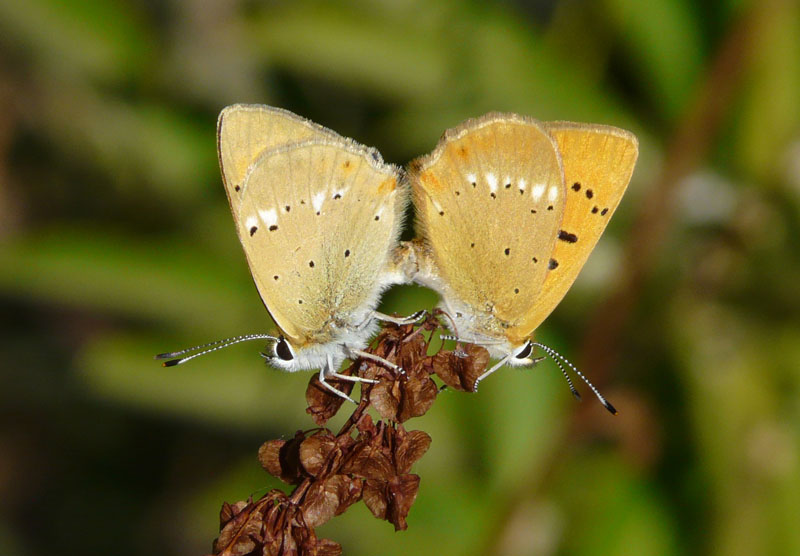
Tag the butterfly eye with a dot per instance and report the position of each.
(283, 350)
(526, 351)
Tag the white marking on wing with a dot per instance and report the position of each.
(522, 183)
(250, 222)
(472, 178)
(317, 199)
(491, 179)
(339, 192)
(269, 217)
(538, 191)
(552, 193)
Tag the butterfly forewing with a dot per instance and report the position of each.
(490, 201)
(245, 131)
(318, 221)
(598, 163)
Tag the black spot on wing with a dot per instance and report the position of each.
(566, 236)
(552, 264)
(253, 230)
(576, 186)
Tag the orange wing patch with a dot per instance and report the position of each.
(387, 186)
(430, 181)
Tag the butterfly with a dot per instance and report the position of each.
(319, 217)
(508, 210)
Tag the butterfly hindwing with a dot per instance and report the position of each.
(489, 201)
(318, 221)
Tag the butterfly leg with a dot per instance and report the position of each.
(439, 311)
(357, 353)
(466, 341)
(330, 372)
(499, 364)
(410, 319)
(327, 371)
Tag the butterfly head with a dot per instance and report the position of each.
(280, 354)
(521, 355)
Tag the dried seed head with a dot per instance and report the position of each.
(460, 369)
(366, 460)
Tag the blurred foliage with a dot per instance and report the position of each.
(116, 243)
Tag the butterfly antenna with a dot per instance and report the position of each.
(176, 359)
(555, 356)
(568, 379)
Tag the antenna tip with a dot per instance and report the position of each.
(611, 409)
(170, 363)
(577, 395)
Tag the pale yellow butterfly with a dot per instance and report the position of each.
(508, 211)
(318, 216)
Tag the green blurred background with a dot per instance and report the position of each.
(116, 243)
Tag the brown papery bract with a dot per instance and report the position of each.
(366, 460)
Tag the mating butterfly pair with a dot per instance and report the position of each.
(508, 210)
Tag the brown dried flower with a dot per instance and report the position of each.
(366, 460)
(460, 368)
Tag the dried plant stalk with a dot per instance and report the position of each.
(365, 460)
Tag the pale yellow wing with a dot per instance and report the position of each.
(489, 201)
(245, 131)
(318, 221)
(598, 163)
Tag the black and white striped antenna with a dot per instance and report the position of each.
(175, 357)
(555, 356)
